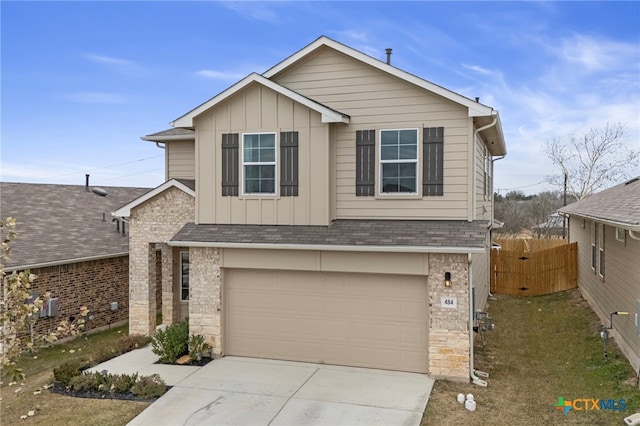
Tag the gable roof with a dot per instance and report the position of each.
(328, 115)
(476, 109)
(617, 206)
(418, 236)
(186, 185)
(59, 224)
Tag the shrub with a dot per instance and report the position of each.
(67, 371)
(149, 387)
(130, 342)
(86, 382)
(197, 346)
(123, 383)
(172, 342)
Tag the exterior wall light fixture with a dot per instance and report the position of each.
(447, 279)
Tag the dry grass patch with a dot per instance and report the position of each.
(49, 408)
(543, 348)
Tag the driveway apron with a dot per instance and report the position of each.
(250, 391)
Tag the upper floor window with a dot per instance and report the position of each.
(259, 163)
(399, 161)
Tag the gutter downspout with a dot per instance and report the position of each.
(160, 146)
(632, 235)
(473, 186)
(473, 373)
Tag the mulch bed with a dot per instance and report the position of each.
(203, 361)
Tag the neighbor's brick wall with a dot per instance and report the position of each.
(94, 284)
(153, 222)
(449, 328)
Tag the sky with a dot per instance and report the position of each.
(82, 81)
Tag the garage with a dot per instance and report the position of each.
(362, 320)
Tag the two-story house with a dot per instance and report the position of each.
(333, 209)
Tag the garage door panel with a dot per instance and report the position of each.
(376, 321)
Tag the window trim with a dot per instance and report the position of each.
(594, 249)
(622, 239)
(275, 164)
(181, 275)
(601, 251)
(380, 162)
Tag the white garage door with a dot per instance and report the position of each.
(364, 320)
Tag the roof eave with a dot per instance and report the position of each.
(615, 223)
(329, 247)
(125, 211)
(169, 138)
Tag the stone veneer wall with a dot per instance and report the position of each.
(155, 221)
(94, 284)
(449, 327)
(205, 287)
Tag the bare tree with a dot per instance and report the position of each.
(592, 161)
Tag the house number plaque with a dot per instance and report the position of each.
(449, 302)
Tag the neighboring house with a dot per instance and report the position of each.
(67, 237)
(334, 209)
(554, 226)
(606, 227)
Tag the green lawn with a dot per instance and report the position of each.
(542, 348)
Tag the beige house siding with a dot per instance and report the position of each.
(260, 109)
(376, 100)
(619, 290)
(180, 161)
(483, 192)
(480, 279)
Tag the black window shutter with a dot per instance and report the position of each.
(433, 161)
(230, 145)
(365, 163)
(289, 164)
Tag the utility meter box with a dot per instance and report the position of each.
(50, 307)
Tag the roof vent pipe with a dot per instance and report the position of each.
(388, 51)
(477, 99)
(86, 182)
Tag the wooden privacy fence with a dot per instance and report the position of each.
(534, 267)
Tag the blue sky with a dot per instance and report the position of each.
(82, 81)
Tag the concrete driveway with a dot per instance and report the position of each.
(249, 391)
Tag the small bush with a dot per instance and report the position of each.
(172, 342)
(67, 371)
(197, 346)
(149, 387)
(123, 383)
(103, 354)
(130, 342)
(86, 382)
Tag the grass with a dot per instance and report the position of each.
(542, 348)
(50, 408)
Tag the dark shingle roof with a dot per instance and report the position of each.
(620, 203)
(176, 131)
(448, 234)
(56, 223)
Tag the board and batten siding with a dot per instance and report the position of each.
(260, 109)
(180, 160)
(619, 290)
(376, 100)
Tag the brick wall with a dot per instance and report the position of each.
(94, 284)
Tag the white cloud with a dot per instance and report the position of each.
(220, 75)
(119, 64)
(595, 54)
(478, 69)
(96, 98)
(253, 10)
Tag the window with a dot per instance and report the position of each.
(594, 252)
(259, 163)
(184, 275)
(601, 262)
(620, 235)
(399, 161)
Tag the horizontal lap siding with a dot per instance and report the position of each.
(181, 163)
(483, 206)
(376, 100)
(620, 289)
